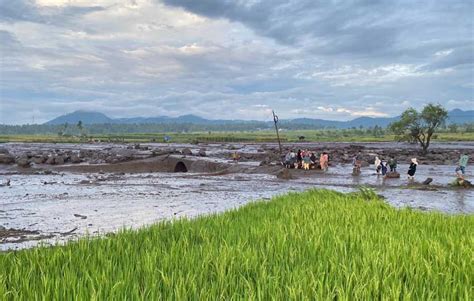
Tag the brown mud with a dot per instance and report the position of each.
(99, 188)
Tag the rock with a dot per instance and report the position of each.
(110, 159)
(4, 151)
(265, 162)
(80, 216)
(23, 162)
(39, 159)
(427, 181)
(75, 159)
(50, 160)
(187, 152)
(202, 152)
(6, 183)
(392, 175)
(6, 159)
(285, 174)
(59, 160)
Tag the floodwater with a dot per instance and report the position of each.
(64, 205)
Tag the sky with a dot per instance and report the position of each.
(233, 59)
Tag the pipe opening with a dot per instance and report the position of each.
(180, 167)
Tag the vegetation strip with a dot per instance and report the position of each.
(318, 244)
(349, 135)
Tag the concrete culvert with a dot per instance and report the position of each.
(180, 167)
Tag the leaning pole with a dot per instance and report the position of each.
(275, 120)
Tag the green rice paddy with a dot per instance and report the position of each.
(319, 245)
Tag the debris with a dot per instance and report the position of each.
(427, 181)
(392, 175)
(285, 174)
(462, 183)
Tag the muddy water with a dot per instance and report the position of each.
(65, 205)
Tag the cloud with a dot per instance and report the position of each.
(233, 59)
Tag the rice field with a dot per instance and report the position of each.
(314, 245)
(264, 136)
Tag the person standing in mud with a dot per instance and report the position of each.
(299, 159)
(235, 157)
(392, 163)
(412, 169)
(356, 164)
(287, 161)
(357, 161)
(324, 161)
(378, 166)
(383, 166)
(461, 169)
(313, 159)
(306, 160)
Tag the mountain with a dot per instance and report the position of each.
(367, 122)
(460, 117)
(84, 116)
(454, 116)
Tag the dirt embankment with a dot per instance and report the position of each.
(135, 158)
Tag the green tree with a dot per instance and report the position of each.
(453, 128)
(420, 126)
(80, 127)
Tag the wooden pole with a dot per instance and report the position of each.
(275, 120)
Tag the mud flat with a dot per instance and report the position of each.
(49, 203)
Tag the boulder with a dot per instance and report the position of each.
(111, 159)
(187, 152)
(23, 162)
(285, 174)
(59, 160)
(6, 159)
(4, 151)
(202, 152)
(39, 159)
(75, 159)
(50, 160)
(266, 162)
(392, 175)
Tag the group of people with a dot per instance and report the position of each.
(383, 166)
(306, 160)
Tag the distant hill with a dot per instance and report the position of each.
(84, 116)
(460, 117)
(454, 116)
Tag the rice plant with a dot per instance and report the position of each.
(319, 245)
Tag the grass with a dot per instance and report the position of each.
(319, 245)
(222, 137)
